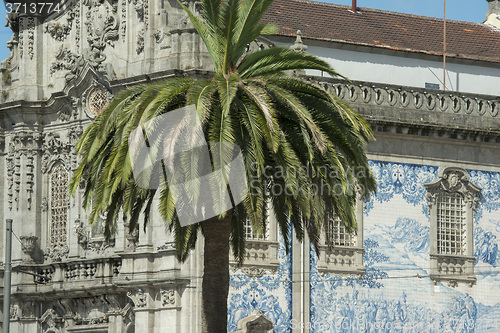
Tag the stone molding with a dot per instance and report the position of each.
(445, 267)
(426, 112)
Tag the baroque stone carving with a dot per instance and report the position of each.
(102, 28)
(31, 36)
(56, 253)
(140, 41)
(50, 319)
(167, 297)
(28, 245)
(132, 236)
(124, 19)
(81, 233)
(64, 60)
(139, 298)
(253, 272)
(59, 31)
(44, 204)
(14, 312)
(54, 149)
(21, 35)
(23, 143)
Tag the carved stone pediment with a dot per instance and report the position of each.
(453, 179)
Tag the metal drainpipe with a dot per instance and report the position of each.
(6, 277)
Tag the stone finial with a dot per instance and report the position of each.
(256, 322)
(298, 45)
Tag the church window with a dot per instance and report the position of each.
(452, 202)
(59, 201)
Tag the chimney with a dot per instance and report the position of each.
(354, 6)
(493, 14)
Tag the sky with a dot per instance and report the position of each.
(462, 10)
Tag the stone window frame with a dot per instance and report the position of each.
(261, 254)
(56, 168)
(344, 259)
(54, 251)
(452, 268)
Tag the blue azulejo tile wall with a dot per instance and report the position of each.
(271, 294)
(396, 293)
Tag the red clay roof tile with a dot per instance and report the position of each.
(384, 29)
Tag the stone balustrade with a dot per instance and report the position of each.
(412, 98)
(341, 260)
(78, 270)
(452, 269)
(420, 111)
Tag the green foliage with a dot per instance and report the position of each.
(292, 133)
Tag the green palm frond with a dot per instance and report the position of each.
(292, 134)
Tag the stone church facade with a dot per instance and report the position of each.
(426, 250)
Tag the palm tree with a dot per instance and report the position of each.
(292, 134)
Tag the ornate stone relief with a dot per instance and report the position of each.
(44, 204)
(142, 9)
(31, 36)
(124, 19)
(102, 21)
(56, 253)
(82, 233)
(51, 321)
(11, 62)
(100, 245)
(15, 312)
(253, 272)
(84, 311)
(54, 149)
(139, 297)
(23, 143)
(168, 297)
(453, 180)
(21, 36)
(140, 41)
(58, 30)
(28, 245)
(132, 236)
(64, 60)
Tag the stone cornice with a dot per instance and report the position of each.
(417, 111)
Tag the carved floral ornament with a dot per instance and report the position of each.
(453, 179)
(138, 297)
(167, 297)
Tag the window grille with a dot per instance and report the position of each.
(337, 235)
(451, 224)
(251, 235)
(59, 201)
(98, 101)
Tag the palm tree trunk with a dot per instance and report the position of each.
(215, 287)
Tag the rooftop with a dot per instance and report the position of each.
(385, 29)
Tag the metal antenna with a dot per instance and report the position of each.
(444, 47)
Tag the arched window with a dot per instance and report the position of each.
(59, 201)
(452, 202)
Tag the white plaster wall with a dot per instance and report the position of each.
(405, 71)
